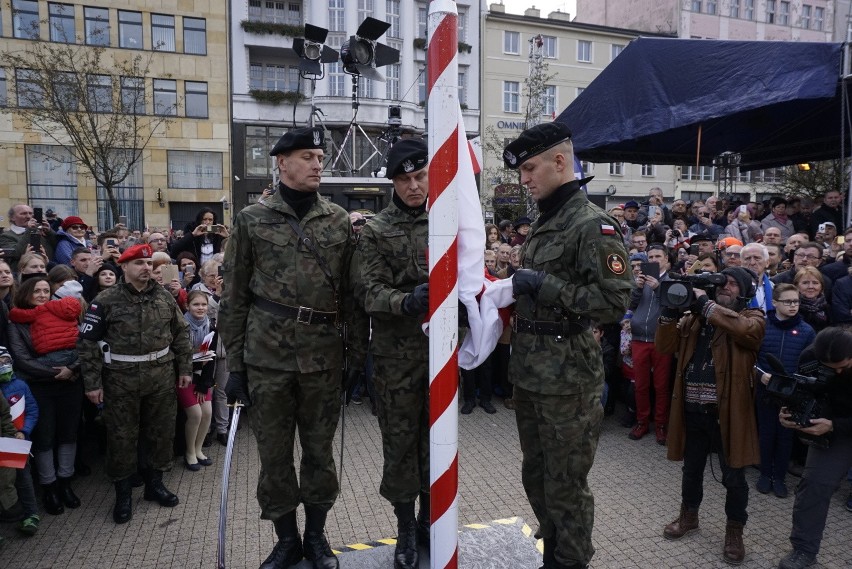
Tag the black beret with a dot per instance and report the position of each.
(299, 138)
(406, 156)
(533, 141)
(697, 238)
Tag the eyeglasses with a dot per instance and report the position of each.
(76, 227)
(789, 302)
(807, 257)
(733, 255)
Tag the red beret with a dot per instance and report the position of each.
(141, 251)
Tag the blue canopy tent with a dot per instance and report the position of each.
(679, 101)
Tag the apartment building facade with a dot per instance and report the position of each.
(185, 165)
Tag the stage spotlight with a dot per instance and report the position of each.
(362, 53)
(312, 52)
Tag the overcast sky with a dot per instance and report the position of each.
(546, 6)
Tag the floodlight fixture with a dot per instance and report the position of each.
(362, 53)
(313, 52)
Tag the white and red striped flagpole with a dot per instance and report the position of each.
(443, 115)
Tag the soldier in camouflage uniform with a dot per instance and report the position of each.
(575, 274)
(392, 276)
(133, 345)
(279, 317)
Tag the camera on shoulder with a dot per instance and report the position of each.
(678, 293)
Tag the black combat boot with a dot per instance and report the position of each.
(66, 494)
(405, 556)
(288, 550)
(423, 520)
(317, 549)
(123, 509)
(51, 499)
(156, 492)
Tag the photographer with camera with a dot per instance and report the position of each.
(712, 407)
(827, 464)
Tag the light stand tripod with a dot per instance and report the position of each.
(351, 136)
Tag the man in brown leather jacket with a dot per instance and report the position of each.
(712, 406)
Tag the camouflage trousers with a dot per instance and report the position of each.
(403, 408)
(8, 493)
(559, 437)
(281, 402)
(139, 399)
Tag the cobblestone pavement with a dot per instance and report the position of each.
(636, 490)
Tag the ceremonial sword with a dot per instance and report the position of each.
(226, 472)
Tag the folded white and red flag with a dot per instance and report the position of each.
(18, 404)
(14, 452)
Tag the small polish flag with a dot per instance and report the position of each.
(607, 229)
(14, 452)
(18, 417)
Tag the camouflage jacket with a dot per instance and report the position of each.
(264, 258)
(389, 263)
(588, 276)
(132, 323)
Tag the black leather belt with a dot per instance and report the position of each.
(551, 328)
(302, 314)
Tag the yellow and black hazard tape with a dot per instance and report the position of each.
(525, 529)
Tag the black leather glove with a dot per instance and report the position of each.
(416, 303)
(527, 281)
(237, 389)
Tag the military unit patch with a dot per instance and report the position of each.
(616, 263)
(607, 229)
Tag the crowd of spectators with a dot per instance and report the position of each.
(51, 269)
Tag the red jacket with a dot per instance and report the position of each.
(53, 325)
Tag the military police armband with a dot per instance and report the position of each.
(93, 326)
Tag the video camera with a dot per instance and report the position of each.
(678, 292)
(803, 394)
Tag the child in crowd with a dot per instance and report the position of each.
(196, 399)
(24, 414)
(787, 335)
(53, 328)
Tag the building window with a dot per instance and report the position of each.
(336, 16)
(421, 87)
(365, 88)
(463, 87)
(133, 95)
(511, 97)
(616, 168)
(392, 7)
(130, 29)
(275, 11)
(422, 14)
(770, 11)
(649, 170)
(29, 89)
(512, 43)
(584, 51)
(25, 23)
(615, 51)
(272, 77)
(392, 82)
(99, 93)
(806, 16)
(366, 9)
(735, 9)
(51, 178)
(548, 100)
(195, 36)
(696, 6)
(784, 13)
(61, 22)
(196, 99)
(165, 97)
(162, 32)
(711, 7)
(194, 170)
(462, 20)
(97, 25)
(336, 80)
(65, 88)
(704, 173)
(129, 195)
(548, 47)
(819, 18)
(258, 143)
(4, 101)
(748, 9)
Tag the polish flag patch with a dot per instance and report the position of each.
(607, 229)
